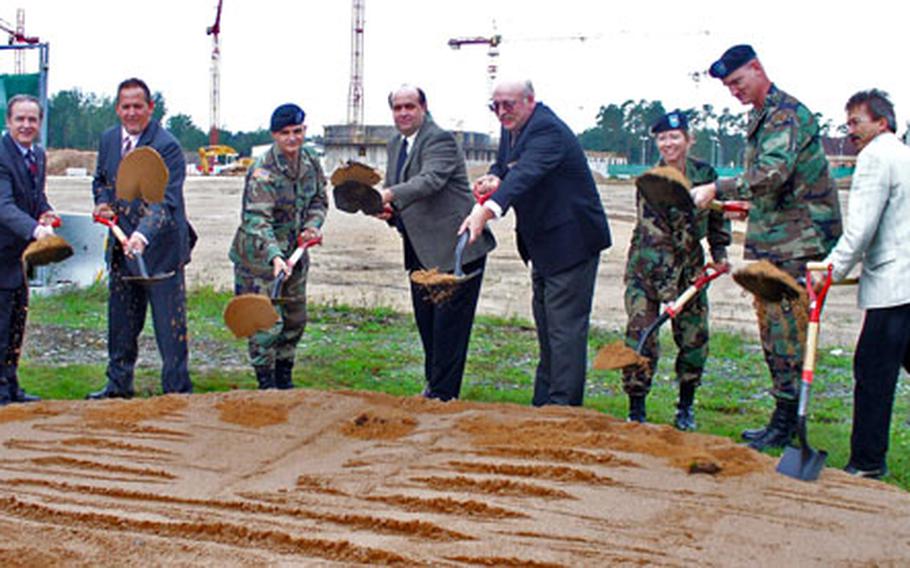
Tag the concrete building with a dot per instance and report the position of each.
(600, 162)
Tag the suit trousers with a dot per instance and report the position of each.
(445, 330)
(13, 311)
(126, 311)
(561, 304)
(883, 346)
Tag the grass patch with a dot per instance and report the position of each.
(378, 349)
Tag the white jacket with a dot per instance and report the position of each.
(877, 231)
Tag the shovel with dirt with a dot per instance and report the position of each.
(47, 250)
(440, 286)
(247, 314)
(617, 355)
(805, 463)
(665, 187)
(143, 277)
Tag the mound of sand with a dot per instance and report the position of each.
(59, 160)
(309, 477)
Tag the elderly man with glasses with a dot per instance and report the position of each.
(541, 171)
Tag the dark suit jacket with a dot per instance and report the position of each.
(163, 224)
(559, 218)
(434, 197)
(22, 201)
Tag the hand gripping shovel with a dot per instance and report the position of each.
(247, 314)
(144, 277)
(804, 462)
(616, 355)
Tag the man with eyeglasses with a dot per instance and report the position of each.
(877, 234)
(794, 218)
(426, 195)
(541, 171)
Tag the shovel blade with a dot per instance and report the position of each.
(802, 463)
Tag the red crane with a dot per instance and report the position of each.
(215, 95)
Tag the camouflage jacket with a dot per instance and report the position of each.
(795, 212)
(664, 245)
(278, 203)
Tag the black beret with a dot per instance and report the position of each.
(731, 60)
(287, 114)
(675, 120)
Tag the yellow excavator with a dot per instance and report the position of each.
(221, 160)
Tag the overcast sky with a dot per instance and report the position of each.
(275, 51)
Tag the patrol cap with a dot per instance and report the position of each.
(287, 114)
(731, 60)
(674, 120)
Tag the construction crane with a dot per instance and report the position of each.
(17, 35)
(215, 95)
(355, 91)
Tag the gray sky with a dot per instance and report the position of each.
(275, 51)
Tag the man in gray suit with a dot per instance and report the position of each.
(878, 234)
(426, 195)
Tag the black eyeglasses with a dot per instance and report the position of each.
(507, 106)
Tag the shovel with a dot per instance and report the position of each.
(144, 277)
(616, 355)
(48, 250)
(142, 173)
(247, 314)
(440, 286)
(804, 462)
(664, 187)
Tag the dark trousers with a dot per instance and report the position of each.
(445, 330)
(883, 346)
(562, 313)
(126, 311)
(13, 311)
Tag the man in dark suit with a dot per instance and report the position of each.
(426, 195)
(25, 215)
(160, 232)
(561, 227)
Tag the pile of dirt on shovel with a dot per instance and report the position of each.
(301, 477)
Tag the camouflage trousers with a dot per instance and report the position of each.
(280, 341)
(690, 332)
(782, 327)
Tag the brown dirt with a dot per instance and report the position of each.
(618, 355)
(59, 160)
(370, 479)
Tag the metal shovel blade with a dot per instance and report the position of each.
(802, 463)
(460, 276)
(144, 277)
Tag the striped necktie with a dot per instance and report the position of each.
(127, 146)
(31, 163)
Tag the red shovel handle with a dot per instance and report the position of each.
(302, 245)
(113, 226)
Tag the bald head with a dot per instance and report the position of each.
(409, 108)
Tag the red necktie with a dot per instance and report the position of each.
(31, 163)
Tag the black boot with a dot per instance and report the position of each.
(5, 395)
(781, 428)
(685, 414)
(17, 394)
(637, 411)
(283, 374)
(265, 376)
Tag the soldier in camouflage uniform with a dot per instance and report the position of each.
(665, 257)
(794, 218)
(284, 196)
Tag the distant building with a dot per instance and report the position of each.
(600, 162)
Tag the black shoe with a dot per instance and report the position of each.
(637, 412)
(265, 376)
(780, 430)
(107, 393)
(283, 370)
(22, 396)
(875, 473)
(685, 419)
(754, 433)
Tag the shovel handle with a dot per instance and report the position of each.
(277, 284)
(114, 227)
(730, 206)
(302, 245)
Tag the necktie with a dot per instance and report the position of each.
(402, 158)
(31, 163)
(127, 146)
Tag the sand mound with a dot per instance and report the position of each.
(307, 477)
(59, 160)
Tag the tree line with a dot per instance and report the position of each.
(77, 119)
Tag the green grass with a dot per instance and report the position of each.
(378, 349)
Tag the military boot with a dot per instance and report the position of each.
(265, 376)
(685, 413)
(283, 370)
(637, 411)
(781, 429)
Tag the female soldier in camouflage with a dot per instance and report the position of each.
(284, 196)
(665, 256)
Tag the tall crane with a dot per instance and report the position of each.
(355, 91)
(17, 35)
(215, 94)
